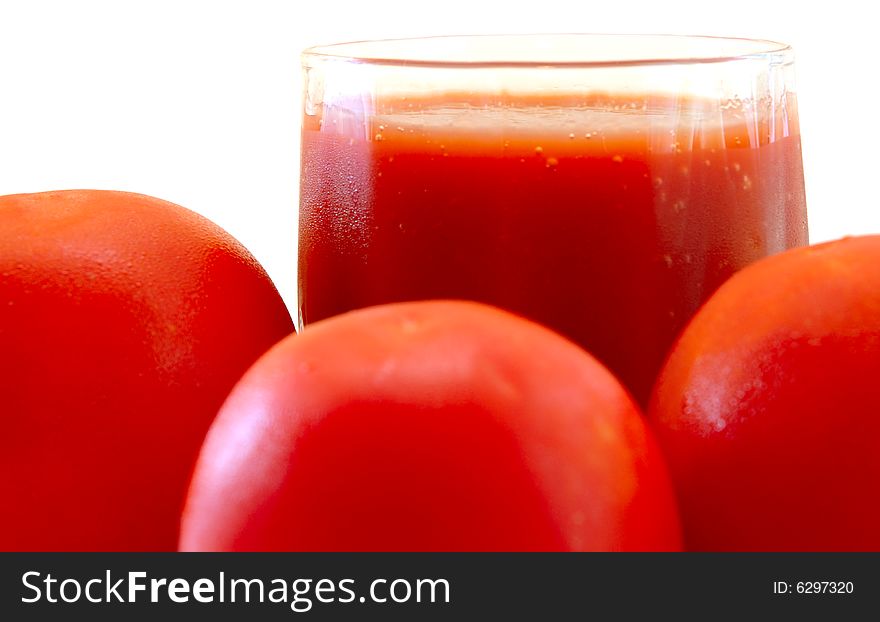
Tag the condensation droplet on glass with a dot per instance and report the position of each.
(707, 162)
(667, 259)
(588, 135)
(552, 162)
(747, 182)
(617, 158)
(679, 206)
(378, 136)
(658, 181)
(539, 150)
(736, 167)
(571, 136)
(381, 128)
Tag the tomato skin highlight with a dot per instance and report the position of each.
(767, 406)
(124, 322)
(429, 426)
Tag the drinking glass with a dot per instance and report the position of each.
(602, 185)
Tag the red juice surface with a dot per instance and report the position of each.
(609, 220)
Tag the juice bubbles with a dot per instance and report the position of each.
(609, 218)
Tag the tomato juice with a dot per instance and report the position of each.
(607, 218)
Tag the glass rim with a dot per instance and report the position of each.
(348, 51)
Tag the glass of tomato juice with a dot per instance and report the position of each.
(602, 185)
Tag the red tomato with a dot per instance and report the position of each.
(124, 323)
(429, 426)
(767, 408)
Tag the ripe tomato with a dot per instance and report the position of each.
(429, 426)
(124, 323)
(767, 408)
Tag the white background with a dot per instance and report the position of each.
(197, 102)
